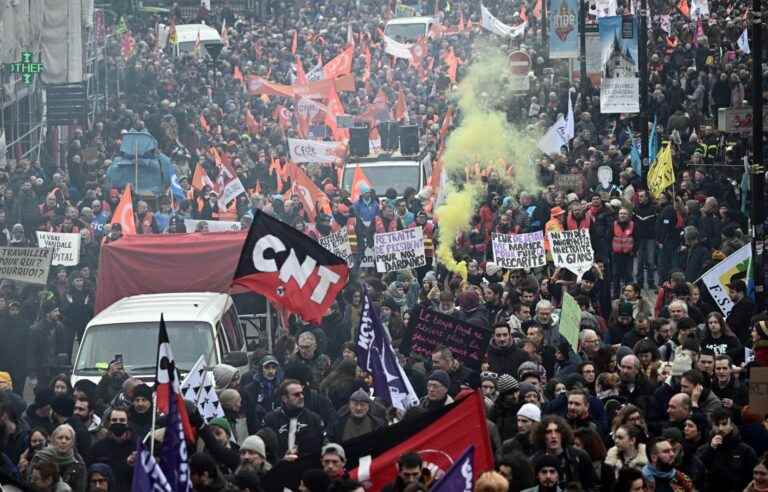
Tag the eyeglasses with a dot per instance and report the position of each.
(488, 375)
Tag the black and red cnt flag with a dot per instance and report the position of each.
(290, 269)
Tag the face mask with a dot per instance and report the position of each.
(118, 429)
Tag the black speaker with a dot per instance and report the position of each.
(409, 139)
(389, 136)
(358, 141)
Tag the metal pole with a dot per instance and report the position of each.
(757, 170)
(585, 83)
(643, 62)
(544, 20)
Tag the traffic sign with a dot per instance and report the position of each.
(520, 66)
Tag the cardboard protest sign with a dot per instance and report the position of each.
(572, 250)
(213, 225)
(399, 250)
(758, 390)
(429, 329)
(65, 247)
(338, 244)
(515, 251)
(28, 265)
(570, 183)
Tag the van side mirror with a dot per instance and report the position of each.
(236, 359)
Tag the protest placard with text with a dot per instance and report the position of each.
(338, 244)
(399, 250)
(30, 265)
(515, 251)
(65, 247)
(572, 250)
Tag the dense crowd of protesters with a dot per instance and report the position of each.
(654, 395)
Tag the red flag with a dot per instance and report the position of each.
(523, 12)
(452, 61)
(400, 110)
(204, 124)
(462, 26)
(335, 107)
(537, 9)
(200, 178)
(167, 381)
(418, 52)
(367, 57)
(301, 76)
(290, 269)
(238, 75)
(684, 9)
(357, 180)
(295, 42)
(283, 116)
(124, 212)
(306, 190)
(340, 65)
(251, 123)
(438, 443)
(277, 169)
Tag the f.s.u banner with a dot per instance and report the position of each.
(289, 268)
(620, 87)
(737, 265)
(564, 29)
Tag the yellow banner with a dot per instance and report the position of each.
(662, 173)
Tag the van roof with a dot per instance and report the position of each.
(179, 306)
(187, 33)
(411, 20)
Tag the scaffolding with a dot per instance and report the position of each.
(21, 117)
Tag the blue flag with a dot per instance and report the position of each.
(174, 459)
(634, 154)
(458, 478)
(176, 189)
(147, 475)
(376, 356)
(653, 143)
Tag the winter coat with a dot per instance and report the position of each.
(575, 466)
(309, 430)
(729, 467)
(614, 463)
(115, 453)
(505, 360)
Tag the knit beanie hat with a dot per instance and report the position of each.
(506, 384)
(526, 388)
(63, 405)
(223, 375)
(221, 423)
(255, 444)
(441, 377)
(530, 411)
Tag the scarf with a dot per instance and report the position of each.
(651, 473)
(50, 454)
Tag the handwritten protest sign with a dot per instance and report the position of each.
(514, 251)
(399, 250)
(429, 329)
(758, 390)
(28, 265)
(570, 183)
(338, 244)
(65, 247)
(572, 250)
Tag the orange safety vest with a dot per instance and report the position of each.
(623, 240)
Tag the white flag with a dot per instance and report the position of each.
(570, 130)
(314, 151)
(743, 42)
(717, 278)
(208, 401)
(554, 139)
(491, 23)
(397, 49)
(193, 381)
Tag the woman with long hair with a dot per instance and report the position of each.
(62, 452)
(60, 385)
(630, 414)
(629, 452)
(720, 339)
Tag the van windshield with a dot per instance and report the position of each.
(132, 340)
(406, 33)
(384, 177)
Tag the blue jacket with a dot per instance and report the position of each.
(366, 211)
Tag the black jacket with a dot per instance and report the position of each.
(310, 431)
(729, 467)
(575, 466)
(645, 221)
(695, 260)
(115, 454)
(740, 317)
(505, 360)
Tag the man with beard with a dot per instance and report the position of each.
(253, 456)
(727, 459)
(503, 356)
(547, 470)
(90, 420)
(115, 448)
(660, 471)
(299, 430)
(359, 421)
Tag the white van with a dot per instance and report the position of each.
(187, 36)
(397, 172)
(197, 323)
(408, 29)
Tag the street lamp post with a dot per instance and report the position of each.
(643, 62)
(757, 171)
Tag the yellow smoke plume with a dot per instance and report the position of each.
(484, 138)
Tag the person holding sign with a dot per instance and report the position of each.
(623, 248)
(554, 224)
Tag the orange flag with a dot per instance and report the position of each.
(204, 124)
(124, 212)
(200, 178)
(537, 10)
(295, 42)
(400, 111)
(462, 26)
(307, 191)
(277, 169)
(238, 75)
(452, 61)
(684, 9)
(301, 76)
(340, 65)
(250, 122)
(523, 12)
(335, 108)
(359, 179)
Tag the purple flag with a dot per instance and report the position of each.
(376, 356)
(147, 475)
(459, 477)
(173, 453)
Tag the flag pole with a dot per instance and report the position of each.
(154, 423)
(136, 167)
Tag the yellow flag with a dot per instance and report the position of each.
(662, 173)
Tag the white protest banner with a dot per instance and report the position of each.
(28, 265)
(213, 225)
(368, 258)
(397, 49)
(514, 251)
(699, 8)
(491, 23)
(314, 151)
(399, 250)
(572, 250)
(65, 247)
(338, 244)
(717, 278)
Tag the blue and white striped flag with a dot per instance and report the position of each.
(147, 474)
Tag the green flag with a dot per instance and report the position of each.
(570, 320)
